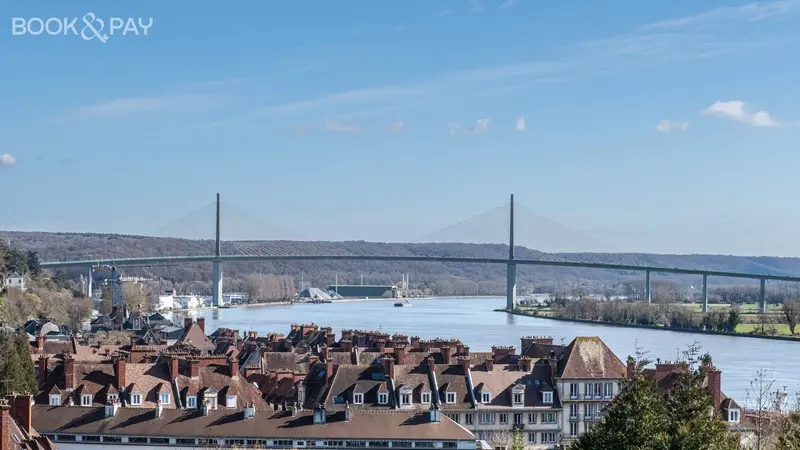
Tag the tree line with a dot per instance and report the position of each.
(16, 367)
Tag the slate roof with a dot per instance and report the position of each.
(452, 378)
(348, 379)
(394, 425)
(20, 440)
(502, 380)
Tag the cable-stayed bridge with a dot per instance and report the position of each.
(220, 232)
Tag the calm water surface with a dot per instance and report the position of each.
(474, 322)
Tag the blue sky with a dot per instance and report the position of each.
(652, 126)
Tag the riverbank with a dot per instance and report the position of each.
(651, 327)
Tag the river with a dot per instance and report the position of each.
(476, 324)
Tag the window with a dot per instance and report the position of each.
(86, 400)
(426, 397)
(383, 398)
(405, 399)
(608, 390)
(598, 390)
(573, 390)
(468, 419)
(573, 429)
(358, 398)
(531, 438)
(112, 397)
(449, 444)
(230, 401)
(164, 399)
(454, 417)
(486, 418)
(503, 418)
(517, 399)
(485, 397)
(91, 439)
(55, 400)
(548, 438)
(549, 417)
(136, 398)
(160, 441)
(191, 401)
(451, 397)
(733, 416)
(517, 419)
(587, 390)
(590, 411)
(531, 417)
(573, 411)
(547, 397)
(282, 443)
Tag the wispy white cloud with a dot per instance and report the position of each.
(360, 96)
(479, 126)
(7, 159)
(442, 13)
(397, 126)
(668, 126)
(509, 3)
(521, 125)
(134, 105)
(737, 110)
(336, 126)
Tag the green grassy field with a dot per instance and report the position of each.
(746, 308)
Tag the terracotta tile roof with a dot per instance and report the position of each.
(218, 376)
(394, 425)
(590, 357)
(148, 379)
(20, 440)
(196, 337)
(349, 379)
(89, 378)
(415, 377)
(282, 361)
(452, 379)
(502, 380)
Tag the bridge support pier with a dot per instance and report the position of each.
(647, 289)
(217, 288)
(89, 282)
(762, 296)
(511, 268)
(705, 292)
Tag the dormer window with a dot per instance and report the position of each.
(518, 395)
(518, 398)
(450, 397)
(486, 397)
(112, 397)
(230, 401)
(191, 401)
(86, 400)
(358, 398)
(547, 397)
(164, 399)
(426, 398)
(733, 415)
(383, 398)
(55, 400)
(136, 398)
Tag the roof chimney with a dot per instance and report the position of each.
(323, 352)
(434, 415)
(631, 370)
(39, 343)
(194, 368)
(233, 364)
(415, 342)
(159, 408)
(201, 322)
(464, 362)
(400, 353)
(347, 345)
(446, 350)
(287, 346)
(330, 339)
(714, 377)
(69, 372)
(388, 366)
(21, 410)
(204, 409)
(187, 322)
(431, 364)
(319, 415)
(43, 359)
(465, 350)
(173, 366)
(119, 373)
(312, 360)
(347, 411)
(249, 411)
(5, 425)
(109, 409)
(489, 364)
(381, 345)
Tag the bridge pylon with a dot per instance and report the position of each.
(217, 288)
(511, 267)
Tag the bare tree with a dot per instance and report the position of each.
(791, 312)
(764, 403)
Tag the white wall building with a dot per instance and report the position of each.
(15, 280)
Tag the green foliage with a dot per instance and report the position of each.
(15, 260)
(34, 268)
(16, 367)
(518, 443)
(105, 306)
(643, 418)
(789, 433)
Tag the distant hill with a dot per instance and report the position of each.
(72, 246)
